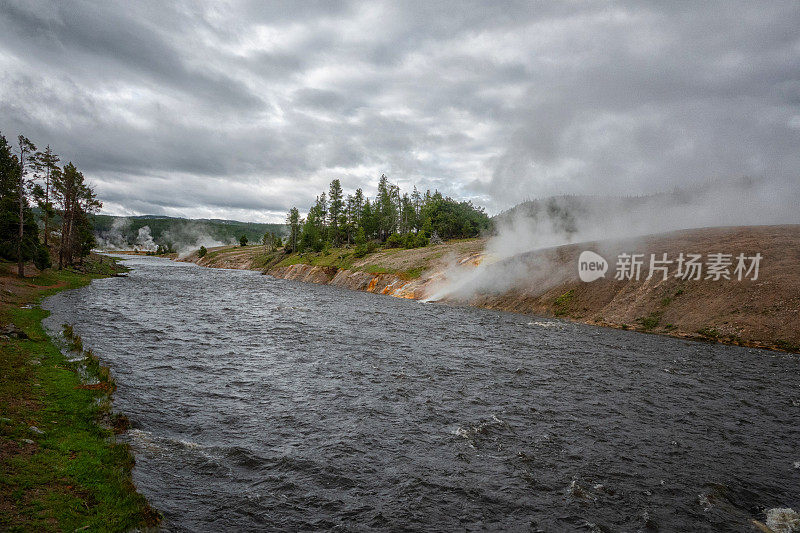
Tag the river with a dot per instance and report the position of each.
(265, 404)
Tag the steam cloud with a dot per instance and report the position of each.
(144, 240)
(188, 237)
(115, 238)
(537, 225)
(184, 238)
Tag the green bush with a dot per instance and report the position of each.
(561, 304)
(165, 249)
(202, 251)
(364, 249)
(395, 240)
(709, 332)
(651, 321)
(414, 240)
(42, 258)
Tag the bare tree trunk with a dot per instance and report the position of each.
(21, 199)
(64, 257)
(47, 205)
(62, 250)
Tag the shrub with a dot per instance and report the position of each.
(562, 303)
(202, 251)
(565, 298)
(651, 321)
(709, 332)
(42, 258)
(362, 250)
(395, 240)
(414, 240)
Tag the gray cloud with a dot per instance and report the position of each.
(245, 109)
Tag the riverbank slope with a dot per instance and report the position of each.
(764, 312)
(60, 469)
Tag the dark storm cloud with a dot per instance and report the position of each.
(245, 109)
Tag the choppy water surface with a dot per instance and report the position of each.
(264, 404)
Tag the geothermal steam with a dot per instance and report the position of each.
(573, 219)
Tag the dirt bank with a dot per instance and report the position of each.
(764, 312)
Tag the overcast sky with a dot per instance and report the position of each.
(241, 110)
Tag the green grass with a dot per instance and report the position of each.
(414, 273)
(74, 475)
(787, 345)
(709, 332)
(306, 258)
(344, 259)
(649, 322)
(211, 255)
(375, 269)
(562, 303)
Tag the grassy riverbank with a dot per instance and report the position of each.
(407, 264)
(60, 469)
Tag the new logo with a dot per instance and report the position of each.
(591, 266)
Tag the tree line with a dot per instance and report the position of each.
(65, 201)
(394, 218)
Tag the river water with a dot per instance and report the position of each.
(265, 404)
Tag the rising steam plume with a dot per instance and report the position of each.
(557, 221)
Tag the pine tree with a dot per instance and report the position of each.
(416, 202)
(10, 243)
(293, 221)
(407, 215)
(47, 166)
(335, 208)
(358, 206)
(368, 221)
(349, 225)
(386, 208)
(26, 150)
(76, 200)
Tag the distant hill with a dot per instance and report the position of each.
(558, 220)
(148, 231)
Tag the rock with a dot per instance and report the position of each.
(28, 441)
(36, 430)
(783, 520)
(10, 331)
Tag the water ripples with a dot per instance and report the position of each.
(266, 404)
